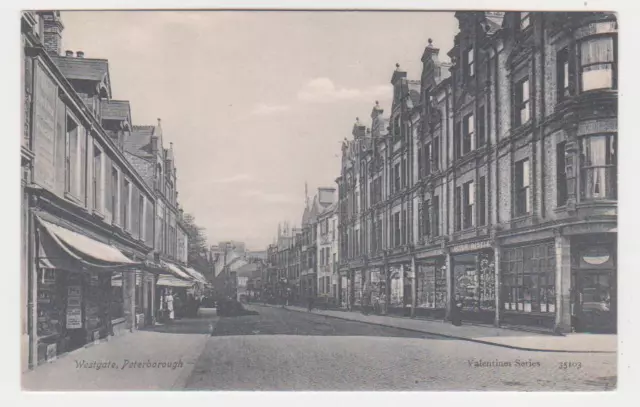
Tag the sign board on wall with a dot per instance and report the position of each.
(74, 307)
(45, 98)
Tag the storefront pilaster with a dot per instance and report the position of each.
(496, 261)
(448, 262)
(563, 283)
(129, 299)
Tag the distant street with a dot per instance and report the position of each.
(279, 349)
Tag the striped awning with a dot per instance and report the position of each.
(170, 281)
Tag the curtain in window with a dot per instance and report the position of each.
(597, 57)
(598, 168)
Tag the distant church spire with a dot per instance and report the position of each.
(306, 194)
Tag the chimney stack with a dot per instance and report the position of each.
(80, 54)
(53, 27)
(68, 53)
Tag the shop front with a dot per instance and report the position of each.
(473, 275)
(593, 284)
(528, 285)
(81, 290)
(431, 288)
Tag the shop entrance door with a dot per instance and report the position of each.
(594, 301)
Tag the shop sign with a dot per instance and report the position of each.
(74, 318)
(596, 255)
(469, 247)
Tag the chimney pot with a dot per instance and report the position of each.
(69, 53)
(80, 54)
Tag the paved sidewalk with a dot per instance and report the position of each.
(161, 358)
(578, 343)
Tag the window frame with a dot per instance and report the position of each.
(469, 62)
(522, 185)
(98, 185)
(614, 66)
(468, 204)
(563, 74)
(610, 166)
(482, 201)
(520, 103)
(468, 136)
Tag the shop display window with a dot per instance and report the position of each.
(528, 279)
(116, 306)
(50, 304)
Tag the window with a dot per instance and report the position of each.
(404, 172)
(98, 182)
(435, 152)
(436, 216)
(481, 126)
(468, 142)
(427, 218)
(126, 205)
(457, 140)
(403, 234)
(482, 201)
(72, 159)
(396, 177)
(396, 229)
(115, 193)
(141, 217)
(598, 170)
(421, 162)
(428, 155)
(469, 68)
(525, 20)
(458, 208)
(562, 74)
(528, 278)
(469, 201)
(522, 102)
(561, 175)
(523, 193)
(597, 59)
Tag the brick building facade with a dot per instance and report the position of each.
(494, 185)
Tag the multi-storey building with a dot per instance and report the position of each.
(327, 256)
(87, 214)
(498, 182)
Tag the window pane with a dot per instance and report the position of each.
(597, 50)
(597, 77)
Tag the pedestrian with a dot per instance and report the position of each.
(168, 299)
(310, 303)
(383, 304)
(456, 311)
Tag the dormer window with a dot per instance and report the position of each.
(525, 20)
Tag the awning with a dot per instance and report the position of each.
(196, 274)
(175, 270)
(170, 281)
(61, 248)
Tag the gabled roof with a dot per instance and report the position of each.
(88, 69)
(139, 142)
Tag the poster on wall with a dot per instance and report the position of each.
(74, 318)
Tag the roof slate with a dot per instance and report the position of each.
(115, 109)
(82, 68)
(139, 142)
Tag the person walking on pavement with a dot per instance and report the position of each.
(456, 311)
(168, 299)
(310, 303)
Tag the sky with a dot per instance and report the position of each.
(255, 103)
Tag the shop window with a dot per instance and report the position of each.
(597, 63)
(474, 278)
(562, 74)
(468, 204)
(561, 175)
(482, 202)
(522, 189)
(598, 167)
(528, 279)
(522, 105)
(426, 287)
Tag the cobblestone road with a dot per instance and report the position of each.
(279, 349)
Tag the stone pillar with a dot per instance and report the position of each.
(563, 284)
(496, 265)
(414, 286)
(448, 262)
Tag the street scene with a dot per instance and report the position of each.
(331, 201)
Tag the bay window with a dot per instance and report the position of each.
(598, 167)
(597, 60)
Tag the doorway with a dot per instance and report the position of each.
(593, 307)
